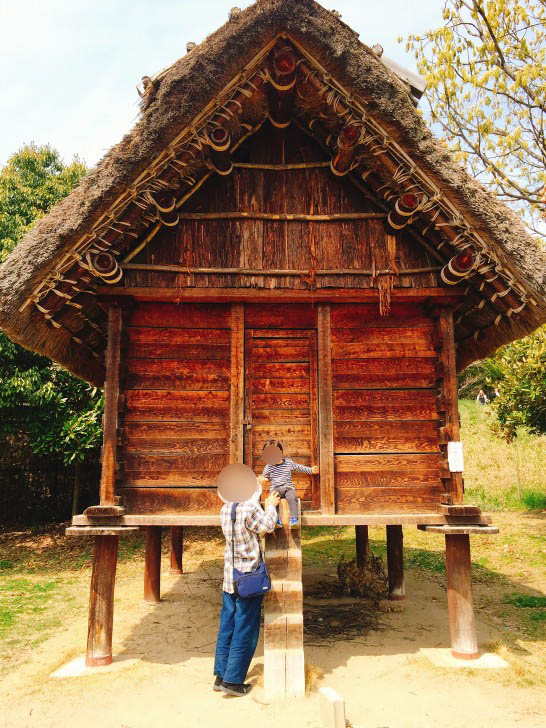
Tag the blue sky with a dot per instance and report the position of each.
(69, 67)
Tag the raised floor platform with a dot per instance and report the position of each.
(308, 518)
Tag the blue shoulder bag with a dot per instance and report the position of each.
(252, 583)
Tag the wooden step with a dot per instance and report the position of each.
(284, 669)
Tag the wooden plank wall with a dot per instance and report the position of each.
(386, 452)
(176, 424)
(280, 380)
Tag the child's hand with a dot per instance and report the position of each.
(262, 480)
(315, 469)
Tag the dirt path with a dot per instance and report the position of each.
(384, 678)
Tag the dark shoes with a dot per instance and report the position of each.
(236, 688)
(217, 684)
(231, 688)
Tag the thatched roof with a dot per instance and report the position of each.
(173, 104)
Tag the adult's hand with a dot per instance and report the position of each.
(273, 499)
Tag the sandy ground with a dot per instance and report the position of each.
(384, 679)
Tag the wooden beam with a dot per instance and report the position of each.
(101, 601)
(237, 380)
(308, 519)
(298, 216)
(177, 549)
(395, 562)
(263, 295)
(274, 271)
(447, 357)
(462, 625)
(362, 545)
(325, 411)
(111, 397)
(152, 565)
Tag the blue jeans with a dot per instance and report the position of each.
(237, 636)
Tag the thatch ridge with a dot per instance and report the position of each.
(183, 91)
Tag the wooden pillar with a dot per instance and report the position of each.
(326, 417)
(237, 385)
(362, 545)
(111, 400)
(152, 564)
(450, 395)
(395, 562)
(177, 549)
(101, 601)
(462, 625)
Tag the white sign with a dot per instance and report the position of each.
(455, 456)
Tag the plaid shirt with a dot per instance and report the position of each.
(250, 521)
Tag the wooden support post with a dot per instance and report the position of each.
(462, 625)
(237, 384)
(326, 424)
(447, 354)
(395, 562)
(111, 395)
(284, 671)
(362, 545)
(101, 601)
(152, 564)
(177, 549)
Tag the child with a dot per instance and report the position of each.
(280, 477)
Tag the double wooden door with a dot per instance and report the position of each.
(280, 400)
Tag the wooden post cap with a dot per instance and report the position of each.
(455, 530)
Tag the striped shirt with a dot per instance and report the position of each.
(250, 522)
(281, 474)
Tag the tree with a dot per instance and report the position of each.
(522, 400)
(59, 413)
(486, 74)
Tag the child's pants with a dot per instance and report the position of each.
(237, 636)
(285, 491)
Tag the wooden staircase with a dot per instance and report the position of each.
(284, 671)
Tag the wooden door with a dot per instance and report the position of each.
(281, 400)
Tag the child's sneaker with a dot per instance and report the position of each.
(294, 522)
(279, 522)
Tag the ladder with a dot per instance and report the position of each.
(284, 670)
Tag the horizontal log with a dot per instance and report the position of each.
(385, 411)
(384, 365)
(392, 335)
(380, 380)
(362, 437)
(176, 374)
(280, 401)
(275, 370)
(283, 416)
(280, 352)
(273, 272)
(163, 479)
(262, 337)
(162, 446)
(298, 216)
(281, 167)
(266, 385)
(386, 500)
(289, 432)
(171, 500)
(176, 413)
(179, 351)
(186, 315)
(400, 397)
(370, 350)
(203, 463)
(390, 478)
(275, 316)
(361, 316)
(172, 431)
(176, 335)
(387, 462)
(159, 295)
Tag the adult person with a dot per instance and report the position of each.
(240, 617)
